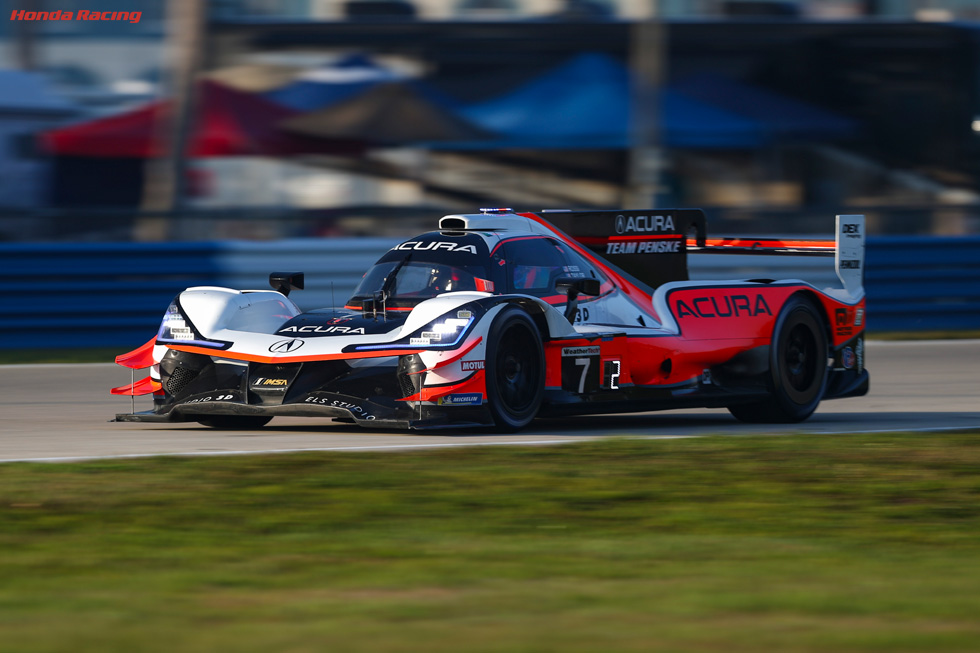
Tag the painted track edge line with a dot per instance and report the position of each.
(247, 452)
(448, 445)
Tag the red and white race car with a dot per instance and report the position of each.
(498, 317)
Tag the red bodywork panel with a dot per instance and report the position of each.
(716, 323)
(138, 358)
(142, 387)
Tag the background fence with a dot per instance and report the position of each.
(100, 295)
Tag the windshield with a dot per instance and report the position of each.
(417, 281)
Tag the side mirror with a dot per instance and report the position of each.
(577, 286)
(573, 287)
(286, 281)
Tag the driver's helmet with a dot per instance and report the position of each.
(447, 279)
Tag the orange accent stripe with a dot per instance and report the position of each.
(140, 357)
(142, 387)
(233, 355)
(603, 239)
(767, 243)
(390, 308)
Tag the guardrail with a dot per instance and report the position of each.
(923, 284)
(105, 295)
(95, 295)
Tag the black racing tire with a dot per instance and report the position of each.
(235, 422)
(797, 367)
(515, 370)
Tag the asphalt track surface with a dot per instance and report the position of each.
(61, 412)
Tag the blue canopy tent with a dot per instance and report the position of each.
(785, 117)
(585, 104)
(328, 85)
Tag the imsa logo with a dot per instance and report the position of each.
(263, 382)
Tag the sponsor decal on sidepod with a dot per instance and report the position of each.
(468, 399)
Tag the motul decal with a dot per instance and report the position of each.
(470, 366)
(728, 306)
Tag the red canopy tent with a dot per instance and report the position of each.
(227, 122)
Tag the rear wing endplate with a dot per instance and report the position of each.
(849, 259)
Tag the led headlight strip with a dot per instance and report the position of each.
(178, 330)
(442, 333)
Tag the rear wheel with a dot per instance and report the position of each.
(235, 422)
(515, 370)
(798, 367)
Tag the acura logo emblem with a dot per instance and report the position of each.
(286, 346)
(620, 224)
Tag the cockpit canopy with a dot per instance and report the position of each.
(441, 262)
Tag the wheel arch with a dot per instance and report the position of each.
(538, 311)
(814, 298)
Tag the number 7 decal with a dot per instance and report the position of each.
(584, 362)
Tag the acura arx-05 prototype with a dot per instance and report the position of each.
(500, 317)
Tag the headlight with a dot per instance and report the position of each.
(175, 326)
(445, 332)
(178, 330)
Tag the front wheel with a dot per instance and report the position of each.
(515, 370)
(798, 367)
(235, 422)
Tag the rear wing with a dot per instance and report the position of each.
(847, 248)
(652, 246)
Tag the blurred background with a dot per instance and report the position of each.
(206, 139)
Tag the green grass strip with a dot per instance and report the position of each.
(804, 543)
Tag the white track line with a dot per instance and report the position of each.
(448, 445)
(246, 452)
